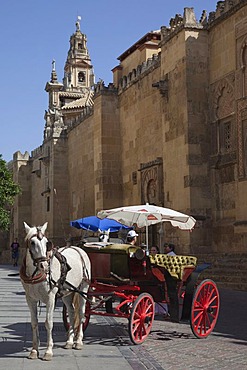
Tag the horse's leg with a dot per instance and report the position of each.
(49, 326)
(80, 312)
(34, 354)
(68, 301)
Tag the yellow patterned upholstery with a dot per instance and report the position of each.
(174, 264)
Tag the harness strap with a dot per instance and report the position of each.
(65, 268)
(39, 278)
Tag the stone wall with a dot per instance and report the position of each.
(227, 105)
(172, 131)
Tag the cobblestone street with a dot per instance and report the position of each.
(107, 344)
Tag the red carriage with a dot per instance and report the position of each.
(127, 282)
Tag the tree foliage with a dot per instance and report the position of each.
(8, 190)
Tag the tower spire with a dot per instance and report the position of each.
(53, 72)
(78, 69)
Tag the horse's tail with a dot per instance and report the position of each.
(77, 307)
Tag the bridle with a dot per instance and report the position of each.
(38, 275)
(39, 236)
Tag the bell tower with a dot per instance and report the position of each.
(78, 70)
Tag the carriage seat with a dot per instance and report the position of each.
(109, 259)
(179, 267)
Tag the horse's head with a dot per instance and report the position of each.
(37, 245)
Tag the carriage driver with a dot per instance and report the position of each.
(132, 237)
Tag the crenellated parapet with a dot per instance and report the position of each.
(141, 70)
(85, 113)
(100, 88)
(38, 152)
(188, 20)
(18, 156)
(223, 8)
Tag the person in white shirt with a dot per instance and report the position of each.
(169, 249)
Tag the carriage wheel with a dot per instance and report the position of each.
(205, 309)
(141, 318)
(66, 317)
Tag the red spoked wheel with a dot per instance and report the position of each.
(205, 309)
(141, 318)
(85, 322)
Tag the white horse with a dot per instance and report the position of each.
(47, 271)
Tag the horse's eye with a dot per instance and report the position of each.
(32, 243)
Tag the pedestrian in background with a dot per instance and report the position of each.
(15, 252)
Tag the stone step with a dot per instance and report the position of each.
(232, 285)
(224, 278)
(233, 271)
(227, 270)
(222, 257)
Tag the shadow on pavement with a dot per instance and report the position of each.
(232, 317)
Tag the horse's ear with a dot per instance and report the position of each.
(27, 228)
(44, 227)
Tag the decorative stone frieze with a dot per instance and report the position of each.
(242, 137)
(222, 98)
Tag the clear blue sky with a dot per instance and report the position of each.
(32, 33)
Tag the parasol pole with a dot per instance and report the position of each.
(147, 250)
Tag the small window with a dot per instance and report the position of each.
(48, 204)
(134, 178)
(227, 136)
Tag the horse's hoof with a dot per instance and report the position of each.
(33, 355)
(47, 357)
(68, 346)
(78, 346)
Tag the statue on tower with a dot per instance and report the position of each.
(78, 23)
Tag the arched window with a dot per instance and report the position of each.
(81, 77)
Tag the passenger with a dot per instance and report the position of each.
(132, 237)
(154, 250)
(169, 249)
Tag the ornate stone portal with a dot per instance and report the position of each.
(152, 182)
